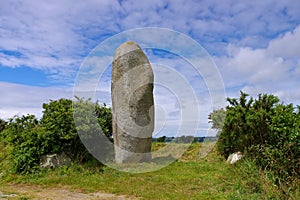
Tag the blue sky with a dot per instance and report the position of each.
(255, 45)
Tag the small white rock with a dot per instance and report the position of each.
(234, 157)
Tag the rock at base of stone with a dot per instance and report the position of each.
(234, 157)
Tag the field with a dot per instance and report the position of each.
(190, 177)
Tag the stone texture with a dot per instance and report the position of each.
(55, 160)
(233, 158)
(132, 104)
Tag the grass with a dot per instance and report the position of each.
(190, 177)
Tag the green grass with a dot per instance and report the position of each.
(190, 177)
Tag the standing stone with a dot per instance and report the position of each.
(132, 104)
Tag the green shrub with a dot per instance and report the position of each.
(27, 139)
(58, 118)
(281, 153)
(94, 126)
(2, 125)
(266, 131)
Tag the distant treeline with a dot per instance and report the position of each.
(184, 139)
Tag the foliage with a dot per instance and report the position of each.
(2, 125)
(266, 131)
(27, 139)
(26, 142)
(161, 139)
(246, 123)
(58, 118)
(94, 126)
(216, 118)
(281, 152)
(104, 116)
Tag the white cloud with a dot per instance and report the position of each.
(56, 35)
(287, 45)
(22, 100)
(52, 36)
(274, 69)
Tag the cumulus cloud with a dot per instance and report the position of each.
(287, 45)
(20, 100)
(254, 43)
(274, 69)
(55, 36)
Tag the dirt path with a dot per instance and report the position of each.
(38, 193)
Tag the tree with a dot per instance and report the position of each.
(184, 139)
(216, 118)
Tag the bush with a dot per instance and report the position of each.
(94, 125)
(246, 123)
(161, 139)
(2, 125)
(266, 131)
(281, 152)
(27, 139)
(58, 118)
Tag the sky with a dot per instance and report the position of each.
(255, 46)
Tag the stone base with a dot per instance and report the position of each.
(123, 156)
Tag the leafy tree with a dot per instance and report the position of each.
(216, 118)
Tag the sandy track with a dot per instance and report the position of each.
(38, 193)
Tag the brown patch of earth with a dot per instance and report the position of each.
(13, 191)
